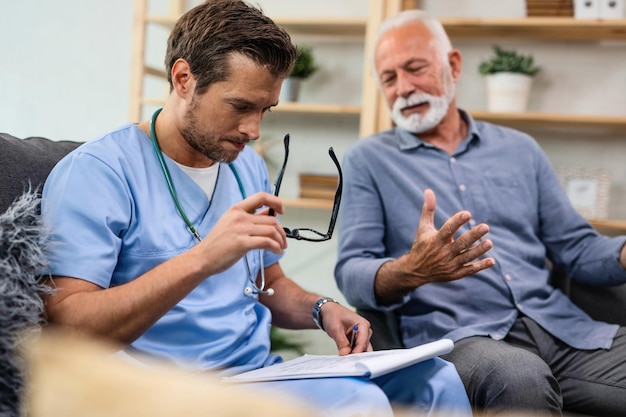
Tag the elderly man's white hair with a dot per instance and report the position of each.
(440, 37)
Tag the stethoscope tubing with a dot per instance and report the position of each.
(249, 290)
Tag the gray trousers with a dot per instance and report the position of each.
(530, 370)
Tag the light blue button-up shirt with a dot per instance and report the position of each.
(505, 180)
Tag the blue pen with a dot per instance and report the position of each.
(355, 331)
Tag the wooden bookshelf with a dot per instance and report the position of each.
(297, 25)
(312, 108)
(309, 203)
(527, 119)
(609, 224)
(536, 28)
(323, 26)
(373, 117)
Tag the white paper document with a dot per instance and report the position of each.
(366, 364)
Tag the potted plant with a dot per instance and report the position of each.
(303, 68)
(509, 79)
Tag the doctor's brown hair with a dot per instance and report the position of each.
(207, 35)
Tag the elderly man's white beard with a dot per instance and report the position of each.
(419, 123)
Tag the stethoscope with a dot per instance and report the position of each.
(250, 289)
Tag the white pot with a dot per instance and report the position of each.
(290, 89)
(508, 92)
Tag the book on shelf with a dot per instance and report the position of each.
(560, 8)
(319, 180)
(318, 186)
(365, 365)
(315, 193)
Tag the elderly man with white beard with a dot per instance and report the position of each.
(471, 265)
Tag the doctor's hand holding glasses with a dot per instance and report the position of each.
(303, 233)
(306, 233)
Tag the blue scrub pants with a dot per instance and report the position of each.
(432, 387)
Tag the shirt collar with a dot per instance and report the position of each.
(408, 140)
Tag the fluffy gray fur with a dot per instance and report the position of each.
(22, 260)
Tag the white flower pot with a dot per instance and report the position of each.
(508, 92)
(290, 89)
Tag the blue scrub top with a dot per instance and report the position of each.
(113, 219)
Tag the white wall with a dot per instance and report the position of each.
(65, 72)
(64, 67)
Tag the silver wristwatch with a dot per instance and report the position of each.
(317, 313)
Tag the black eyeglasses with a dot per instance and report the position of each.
(306, 233)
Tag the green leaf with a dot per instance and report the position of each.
(508, 61)
(280, 342)
(305, 65)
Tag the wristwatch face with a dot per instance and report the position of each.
(317, 310)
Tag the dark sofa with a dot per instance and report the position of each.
(24, 166)
(26, 163)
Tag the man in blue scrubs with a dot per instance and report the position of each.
(520, 344)
(163, 242)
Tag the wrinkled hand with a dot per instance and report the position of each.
(435, 256)
(338, 324)
(241, 229)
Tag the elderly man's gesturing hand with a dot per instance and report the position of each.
(436, 255)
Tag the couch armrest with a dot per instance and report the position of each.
(26, 163)
(601, 303)
(385, 327)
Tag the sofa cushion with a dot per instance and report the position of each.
(27, 162)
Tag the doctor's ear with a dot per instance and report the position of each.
(183, 81)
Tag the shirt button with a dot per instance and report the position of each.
(453, 160)
(519, 307)
(508, 277)
(472, 222)
(462, 187)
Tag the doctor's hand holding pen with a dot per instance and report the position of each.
(350, 331)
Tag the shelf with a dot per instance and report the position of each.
(155, 72)
(323, 26)
(165, 21)
(153, 101)
(608, 224)
(305, 108)
(299, 25)
(317, 108)
(552, 120)
(310, 203)
(536, 28)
